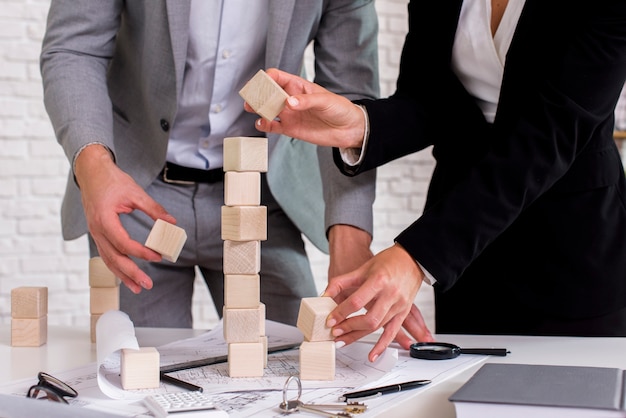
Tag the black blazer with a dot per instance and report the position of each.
(526, 215)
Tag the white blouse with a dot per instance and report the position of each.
(477, 57)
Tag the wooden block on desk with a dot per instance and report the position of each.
(29, 302)
(139, 369)
(166, 239)
(245, 153)
(103, 299)
(317, 360)
(244, 325)
(246, 359)
(264, 95)
(242, 257)
(29, 332)
(242, 291)
(94, 321)
(312, 318)
(242, 188)
(244, 223)
(100, 275)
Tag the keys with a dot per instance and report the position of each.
(293, 405)
(345, 410)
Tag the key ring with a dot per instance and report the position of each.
(291, 405)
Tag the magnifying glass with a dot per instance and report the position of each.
(444, 351)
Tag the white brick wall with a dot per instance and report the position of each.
(33, 170)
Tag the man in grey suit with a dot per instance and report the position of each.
(141, 94)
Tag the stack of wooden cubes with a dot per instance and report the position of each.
(104, 292)
(29, 316)
(244, 226)
(317, 351)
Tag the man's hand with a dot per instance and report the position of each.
(107, 192)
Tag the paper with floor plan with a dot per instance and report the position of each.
(260, 397)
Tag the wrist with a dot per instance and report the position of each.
(90, 156)
(342, 235)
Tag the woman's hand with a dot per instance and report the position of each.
(314, 114)
(386, 287)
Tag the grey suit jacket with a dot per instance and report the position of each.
(112, 71)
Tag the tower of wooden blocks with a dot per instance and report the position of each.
(244, 226)
(29, 316)
(317, 351)
(104, 292)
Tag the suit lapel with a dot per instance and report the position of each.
(178, 22)
(280, 19)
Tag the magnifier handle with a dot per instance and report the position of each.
(486, 351)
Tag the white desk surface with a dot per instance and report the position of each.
(71, 347)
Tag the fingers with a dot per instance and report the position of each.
(416, 326)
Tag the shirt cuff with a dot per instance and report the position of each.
(354, 156)
(428, 278)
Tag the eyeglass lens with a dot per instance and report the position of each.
(59, 386)
(51, 388)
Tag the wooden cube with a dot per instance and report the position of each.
(264, 95)
(29, 332)
(317, 360)
(312, 318)
(244, 325)
(242, 257)
(242, 291)
(245, 153)
(246, 359)
(94, 321)
(244, 223)
(29, 302)
(139, 369)
(242, 188)
(103, 299)
(166, 239)
(100, 275)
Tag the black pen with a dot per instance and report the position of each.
(374, 392)
(180, 383)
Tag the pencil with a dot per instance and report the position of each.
(180, 383)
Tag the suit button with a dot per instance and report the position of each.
(165, 125)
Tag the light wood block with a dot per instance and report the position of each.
(246, 359)
(166, 239)
(100, 275)
(242, 257)
(244, 223)
(317, 360)
(245, 153)
(242, 188)
(265, 342)
(244, 325)
(242, 291)
(312, 318)
(29, 302)
(94, 321)
(264, 95)
(139, 369)
(103, 299)
(29, 332)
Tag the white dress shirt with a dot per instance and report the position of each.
(226, 48)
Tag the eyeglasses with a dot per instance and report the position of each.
(51, 388)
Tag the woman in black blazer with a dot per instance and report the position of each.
(524, 228)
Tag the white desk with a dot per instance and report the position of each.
(69, 348)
